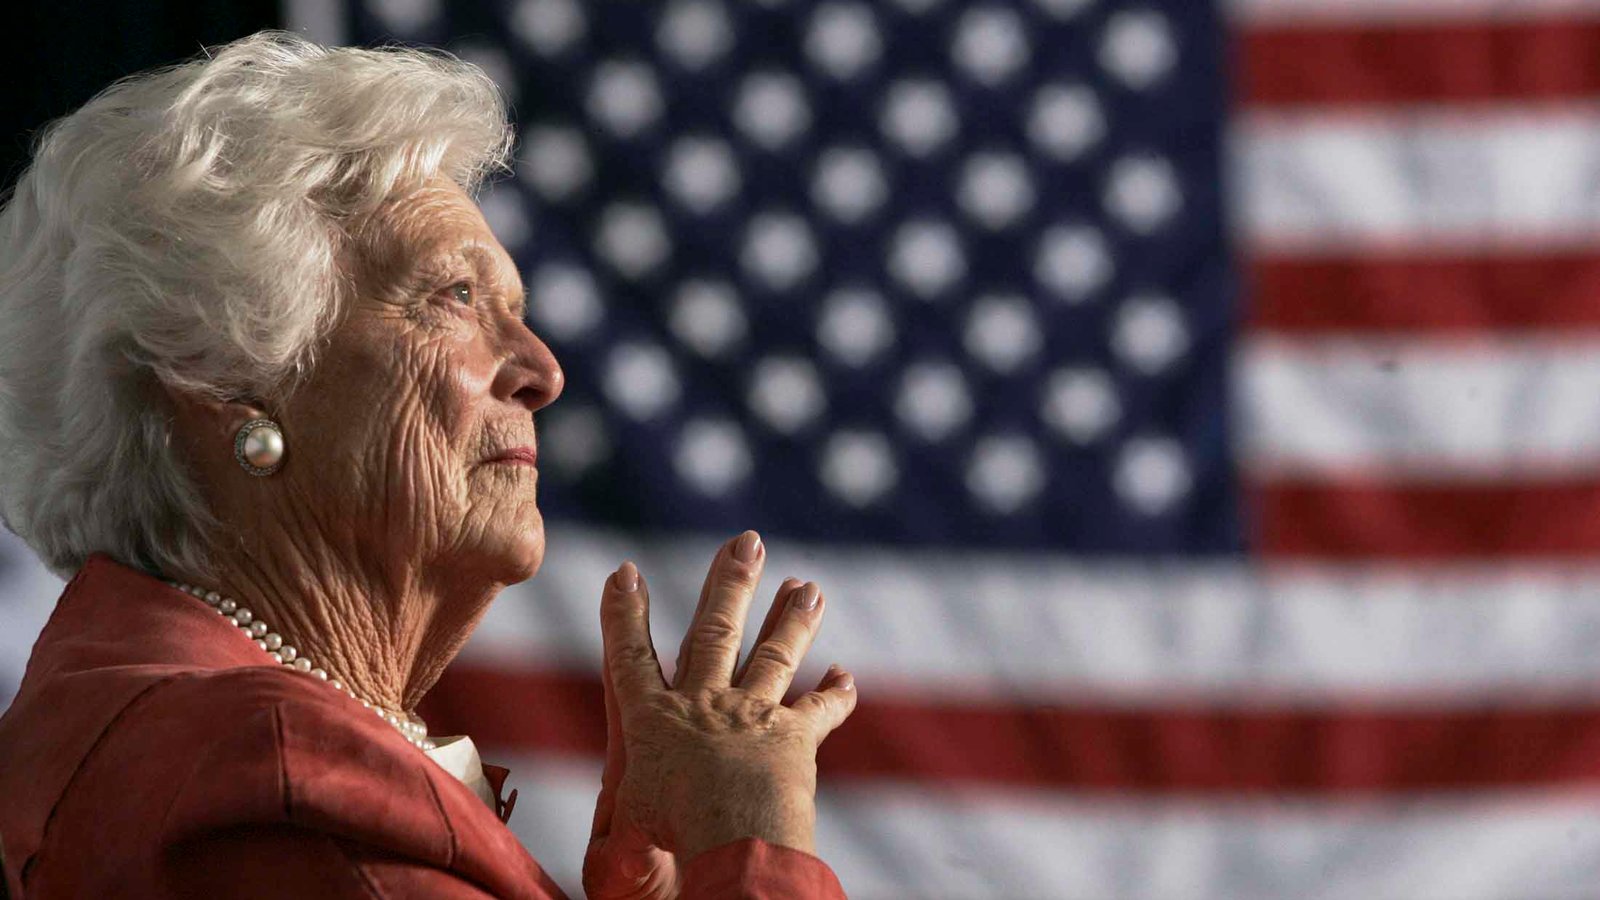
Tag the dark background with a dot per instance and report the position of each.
(64, 52)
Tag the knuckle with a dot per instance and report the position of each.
(617, 610)
(829, 704)
(631, 654)
(740, 576)
(765, 717)
(715, 629)
(775, 653)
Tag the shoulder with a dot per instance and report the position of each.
(270, 746)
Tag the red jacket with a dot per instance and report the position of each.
(151, 753)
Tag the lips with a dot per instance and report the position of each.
(516, 456)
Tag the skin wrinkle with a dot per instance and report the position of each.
(379, 544)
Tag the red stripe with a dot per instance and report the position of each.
(1465, 62)
(1177, 750)
(1437, 294)
(1345, 519)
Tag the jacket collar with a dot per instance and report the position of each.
(112, 615)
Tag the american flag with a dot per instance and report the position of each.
(1191, 411)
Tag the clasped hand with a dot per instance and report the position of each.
(716, 755)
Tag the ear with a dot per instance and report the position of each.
(206, 425)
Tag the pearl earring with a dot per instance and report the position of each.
(259, 447)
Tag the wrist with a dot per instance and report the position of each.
(784, 816)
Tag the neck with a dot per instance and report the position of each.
(377, 631)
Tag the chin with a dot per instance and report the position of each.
(520, 554)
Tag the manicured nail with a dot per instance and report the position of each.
(806, 597)
(627, 577)
(748, 547)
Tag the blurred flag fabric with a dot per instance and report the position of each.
(1190, 412)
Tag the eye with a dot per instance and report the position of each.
(461, 292)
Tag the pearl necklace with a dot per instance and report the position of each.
(411, 727)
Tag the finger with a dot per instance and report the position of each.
(773, 661)
(686, 646)
(774, 615)
(611, 776)
(630, 658)
(715, 633)
(831, 703)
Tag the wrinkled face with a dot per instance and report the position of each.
(413, 440)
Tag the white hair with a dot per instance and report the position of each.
(190, 227)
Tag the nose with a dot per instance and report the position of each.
(529, 375)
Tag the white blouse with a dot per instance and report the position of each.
(458, 756)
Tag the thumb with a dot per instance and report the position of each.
(606, 805)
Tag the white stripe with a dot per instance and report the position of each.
(28, 593)
(1400, 12)
(1435, 411)
(1419, 178)
(974, 624)
(912, 841)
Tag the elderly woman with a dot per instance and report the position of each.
(266, 394)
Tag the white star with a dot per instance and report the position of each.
(854, 326)
(849, 183)
(771, 109)
(926, 257)
(995, 189)
(1002, 332)
(507, 216)
(1073, 261)
(712, 456)
(701, 173)
(786, 393)
(843, 39)
(706, 317)
(564, 302)
(695, 33)
(492, 60)
(1005, 473)
(548, 27)
(639, 380)
(406, 16)
(624, 98)
(632, 239)
(779, 250)
(1065, 120)
(1149, 333)
(1142, 193)
(858, 467)
(1152, 475)
(918, 115)
(933, 400)
(1080, 404)
(573, 438)
(990, 45)
(1138, 47)
(555, 162)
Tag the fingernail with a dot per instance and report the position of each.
(806, 597)
(627, 577)
(749, 545)
(847, 682)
